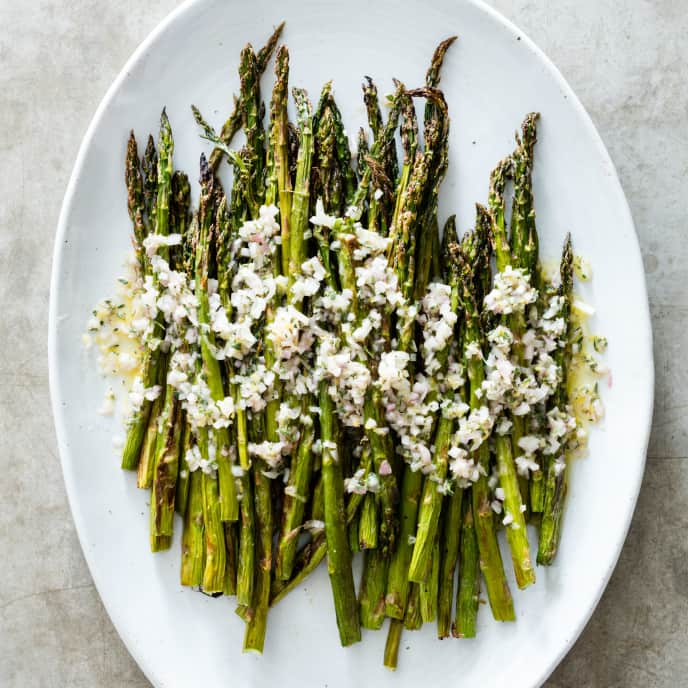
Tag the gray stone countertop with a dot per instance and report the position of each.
(628, 62)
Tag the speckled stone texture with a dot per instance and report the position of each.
(628, 62)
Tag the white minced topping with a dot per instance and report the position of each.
(511, 292)
(153, 242)
(437, 320)
(316, 337)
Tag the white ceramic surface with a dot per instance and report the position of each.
(493, 75)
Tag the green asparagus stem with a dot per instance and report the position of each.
(254, 638)
(429, 235)
(170, 427)
(556, 475)
(247, 543)
(193, 538)
(295, 504)
(523, 239)
(252, 123)
(362, 154)
(397, 582)
(144, 472)
(431, 502)
(430, 506)
(468, 594)
(232, 563)
(301, 195)
(498, 180)
(182, 487)
(149, 166)
(325, 170)
(409, 144)
(153, 365)
(432, 77)
(373, 587)
(302, 461)
(215, 552)
(354, 542)
(338, 553)
(449, 538)
(317, 506)
(229, 505)
(165, 471)
(524, 251)
(412, 482)
(413, 620)
(367, 525)
(490, 556)
(392, 645)
(430, 586)
(517, 535)
(280, 146)
(135, 202)
(372, 107)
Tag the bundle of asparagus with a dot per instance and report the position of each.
(319, 371)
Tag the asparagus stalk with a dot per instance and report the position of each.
(301, 195)
(144, 471)
(429, 588)
(338, 553)
(247, 543)
(556, 474)
(232, 557)
(367, 525)
(280, 148)
(165, 472)
(153, 365)
(256, 627)
(302, 461)
(215, 552)
(392, 645)
(517, 535)
(468, 594)
(397, 583)
(193, 538)
(524, 251)
(413, 619)
(170, 429)
(431, 502)
(372, 106)
(490, 557)
(254, 637)
(412, 482)
(149, 167)
(433, 111)
(409, 198)
(135, 200)
(523, 239)
(183, 478)
(449, 538)
(430, 506)
(252, 121)
(229, 504)
(373, 588)
(295, 504)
